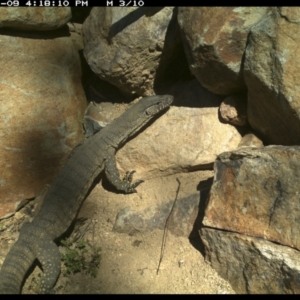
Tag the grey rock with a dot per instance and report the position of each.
(252, 265)
(256, 193)
(180, 223)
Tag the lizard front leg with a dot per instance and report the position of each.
(113, 175)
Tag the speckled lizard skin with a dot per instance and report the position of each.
(68, 191)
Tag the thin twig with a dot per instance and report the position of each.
(94, 224)
(82, 232)
(166, 229)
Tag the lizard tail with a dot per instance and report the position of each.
(15, 266)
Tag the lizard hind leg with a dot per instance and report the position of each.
(128, 179)
(49, 257)
(112, 174)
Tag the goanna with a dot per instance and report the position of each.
(66, 194)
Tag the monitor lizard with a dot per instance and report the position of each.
(68, 191)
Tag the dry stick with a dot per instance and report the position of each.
(81, 233)
(166, 228)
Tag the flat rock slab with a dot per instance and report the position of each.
(180, 218)
(181, 140)
(151, 206)
(252, 265)
(256, 192)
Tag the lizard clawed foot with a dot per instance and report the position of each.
(128, 179)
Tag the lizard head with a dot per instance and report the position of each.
(138, 115)
(146, 109)
(152, 105)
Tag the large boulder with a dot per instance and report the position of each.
(272, 64)
(129, 47)
(214, 40)
(34, 18)
(42, 106)
(254, 191)
(252, 219)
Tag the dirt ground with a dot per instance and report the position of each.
(128, 262)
